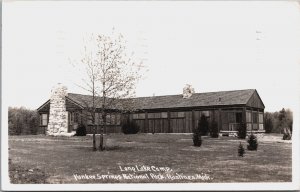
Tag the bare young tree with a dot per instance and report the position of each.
(112, 77)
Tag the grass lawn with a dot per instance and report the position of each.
(65, 159)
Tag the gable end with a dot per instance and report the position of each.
(255, 101)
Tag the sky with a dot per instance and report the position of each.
(214, 46)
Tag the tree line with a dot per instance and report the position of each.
(276, 122)
(22, 121)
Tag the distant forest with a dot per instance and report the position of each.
(22, 121)
(276, 121)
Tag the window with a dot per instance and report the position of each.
(108, 119)
(238, 117)
(89, 119)
(151, 115)
(231, 117)
(138, 116)
(180, 114)
(113, 119)
(255, 120)
(118, 119)
(248, 116)
(135, 116)
(44, 119)
(261, 118)
(164, 115)
(173, 114)
(142, 116)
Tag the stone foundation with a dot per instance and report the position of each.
(58, 116)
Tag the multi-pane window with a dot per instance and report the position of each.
(111, 119)
(44, 119)
(164, 115)
(255, 120)
(179, 114)
(139, 116)
(261, 118)
(248, 116)
(231, 117)
(118, 119)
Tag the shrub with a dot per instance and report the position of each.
(252, 141)
(242, 131)
(286, 134)
(203, 125)
(81, 131)
(130, 127)
(197, 138)
(241, 150)
(214, 132)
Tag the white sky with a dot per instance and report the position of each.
(212, 45)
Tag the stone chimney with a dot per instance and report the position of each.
(188, 91)
(58, 116)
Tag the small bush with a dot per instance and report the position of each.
(242, 132)
(197, 139)
(203, 125)
(286, 134)
(214, 132)
(81, 131)
(241, 150)
(130, 127)
(252, 141)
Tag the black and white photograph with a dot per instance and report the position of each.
(150, 95)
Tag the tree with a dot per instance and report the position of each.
(252, 142)
(22, 121)
(242, 131)
(214, 132)
(197, 140)
(203, 125)
(112, 76)
(285, 118)
(268, 121)
(241, 150)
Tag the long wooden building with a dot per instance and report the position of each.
(166, 114)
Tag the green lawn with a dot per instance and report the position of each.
(58, 159)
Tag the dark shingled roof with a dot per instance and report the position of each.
(222, 98)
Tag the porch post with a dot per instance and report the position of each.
(193, 120)
(169, 122)
(146, 122)
(219, 120)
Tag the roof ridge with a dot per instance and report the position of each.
(177, 94)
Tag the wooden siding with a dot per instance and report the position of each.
(45, 108)
(255, 101)
(72, 106)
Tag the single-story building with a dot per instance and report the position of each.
(64, 111)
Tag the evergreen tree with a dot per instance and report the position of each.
(252, 142)
(241, 150)
(214, 132)
(242, 131)
(197, 140)
(203, 125)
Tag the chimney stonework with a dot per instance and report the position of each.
(188, 91)
(58, 116)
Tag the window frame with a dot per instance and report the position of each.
(42, 119)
